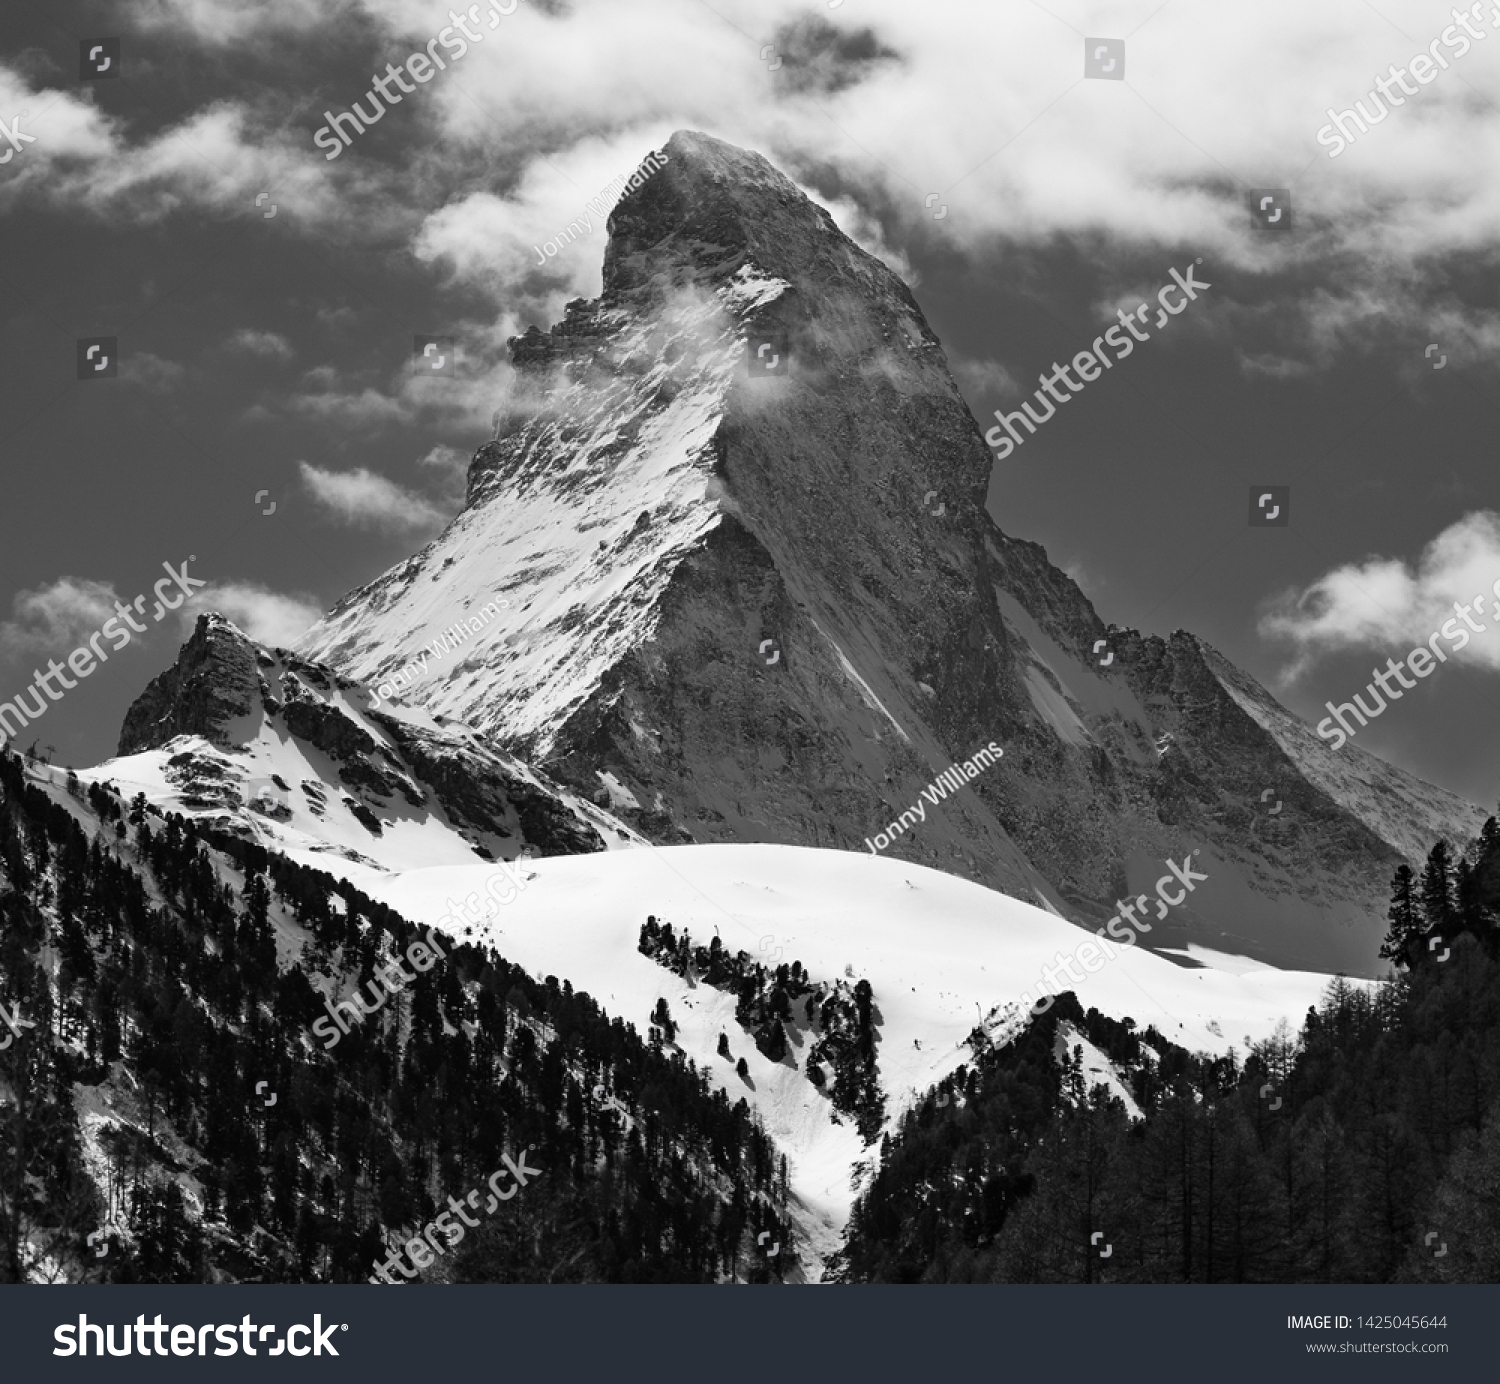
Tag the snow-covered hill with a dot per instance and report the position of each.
(941, 953)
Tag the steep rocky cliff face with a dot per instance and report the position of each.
(214, 681)
(736, 505)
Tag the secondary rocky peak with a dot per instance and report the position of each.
(264, 743)
(214, 680)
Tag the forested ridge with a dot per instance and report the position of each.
(166, 1114)
(1363, 1148)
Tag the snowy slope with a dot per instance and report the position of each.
(582, 551)
(1098, 1070)
(940, 953)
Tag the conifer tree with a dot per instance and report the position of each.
(1437, 887)
(1406, 925)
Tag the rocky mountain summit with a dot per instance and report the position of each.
(737, 506)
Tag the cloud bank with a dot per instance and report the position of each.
(1388, 604)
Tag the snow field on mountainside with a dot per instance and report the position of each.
(940, 953)
(563, 541)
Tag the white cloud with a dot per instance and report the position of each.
(57, 617)
(63, 126)
(498, 243)
(987, 111)
(983, 377)
(364, 498)
(446, 459)
(866, 232)
(151, 372)
(222, 22)
(451, 466)
(268, 617)
(1386, 603)
(217, 159)
(465, 402)
(368, 407)
(261, 343)
(1273, 366)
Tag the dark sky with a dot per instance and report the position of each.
(274, 354)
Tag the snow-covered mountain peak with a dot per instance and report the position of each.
(726, 568)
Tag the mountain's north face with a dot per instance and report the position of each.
(737, 506)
